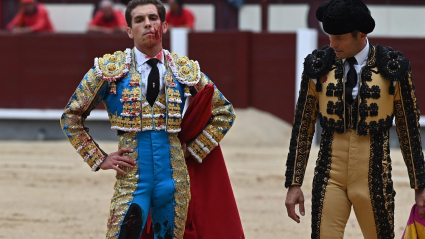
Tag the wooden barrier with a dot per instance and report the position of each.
(251, 69)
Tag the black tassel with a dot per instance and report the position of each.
(318, 85)
(392, 90)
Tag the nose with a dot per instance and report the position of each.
(148, 23)
(333, 43)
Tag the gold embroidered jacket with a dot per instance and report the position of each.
(114, 81)
(386, 90)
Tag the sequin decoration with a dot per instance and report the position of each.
(320, 181)
(222, 119)
(381, 186)
(302, 133)
(181, 184)
(124, 188)
(86, 97)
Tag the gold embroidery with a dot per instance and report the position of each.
(174, 108)
(135, 79)
(173, 94)
(206, 142)
(184, 70)
(182, 185)
(174, 123)
(198, 150)
(112, 65)
(126, 108)
(186, 90)
(125, 122)
(124, 188)
(112, 58)
(182, 60)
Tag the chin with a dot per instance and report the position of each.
(340, 56)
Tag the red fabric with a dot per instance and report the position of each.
(118, 21)
(38, 22)
(212, 213)
(185, 19)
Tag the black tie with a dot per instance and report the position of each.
(153, 81)
(351, 80)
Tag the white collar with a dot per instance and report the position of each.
(142, 58)
(362, 55)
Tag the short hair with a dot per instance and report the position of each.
(355, 34)
(134, 3)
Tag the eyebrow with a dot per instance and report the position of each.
(150, 15)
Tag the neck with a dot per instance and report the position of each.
(361, 46)
(152, 51)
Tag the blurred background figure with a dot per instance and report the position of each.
(107, 19)
(178, 16)
(32, 17)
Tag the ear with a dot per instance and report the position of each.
(164, 27)
(362, 36)
(130, 32)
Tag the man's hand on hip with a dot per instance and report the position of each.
(116, 158)
(295, 196)
(420, 201)
(186, 152)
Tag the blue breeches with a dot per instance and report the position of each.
(155, 190)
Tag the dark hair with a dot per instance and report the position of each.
(355, 34)
(134, 3)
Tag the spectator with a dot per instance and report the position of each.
(32, 17)
(179, 16)
(107, 19)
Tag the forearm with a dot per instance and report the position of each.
(407, 121)
(302, 134)
(86, 97)
(222, 119)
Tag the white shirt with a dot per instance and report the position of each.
(361, 58)
(144, 68)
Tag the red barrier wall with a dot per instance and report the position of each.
(42, 71)
(251, 69)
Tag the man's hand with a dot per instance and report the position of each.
(294, 196)
(186, 152)
(116, 158)
(420, 201)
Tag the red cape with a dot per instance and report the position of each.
(212, 213)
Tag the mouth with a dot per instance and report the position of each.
(337, 52)
(149, 34)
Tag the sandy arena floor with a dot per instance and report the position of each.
(48, 192)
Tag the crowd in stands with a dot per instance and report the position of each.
(33, 17)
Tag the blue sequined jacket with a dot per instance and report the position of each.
(114, 81)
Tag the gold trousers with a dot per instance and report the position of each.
(353, 170)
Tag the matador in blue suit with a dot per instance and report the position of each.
(144, 91)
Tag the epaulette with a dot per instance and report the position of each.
(186, 71)
(112, 67)
(319, 63)
(392, 64)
